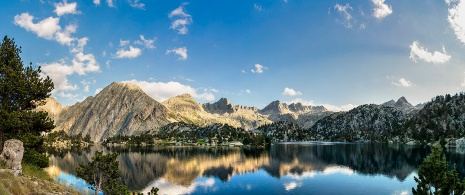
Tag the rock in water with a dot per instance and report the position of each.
(12, 155)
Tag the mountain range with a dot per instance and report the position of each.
(125, 109)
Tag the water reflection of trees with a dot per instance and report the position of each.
(371, 159)
(182, 165)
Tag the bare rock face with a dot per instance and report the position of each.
(119, 109)
(12, 155)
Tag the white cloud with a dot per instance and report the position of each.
(456, 18)
(344, 12)
(65, 8)
(258, 68)
(381, 9)
(243, 71)
(161, 91)
(64, 37)
(133, 52)
(98, 90)
(290, 92)
(67, 95)
(46, 28)
(248, 91)
(86, 85)
(183, 20)
(302, 101)
(97, 2)
(136, 4)
(110, 3)
(403, 83)
(334, 108)
(257, 7)
(182, 52)
(147, 43)
(419, 52)
(50, 29)
(59, 71)
(80, 47)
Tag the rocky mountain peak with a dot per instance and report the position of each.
(402, 102)
(184, 102)
(275, 107)
(220, 107)
(299, 108)
(120, 108)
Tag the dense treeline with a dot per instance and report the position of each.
(442, 117)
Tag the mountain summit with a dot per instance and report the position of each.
(401, 104)
(120, 108)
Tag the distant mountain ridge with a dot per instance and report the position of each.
(125, 109)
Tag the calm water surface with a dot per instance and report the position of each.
(286, 168)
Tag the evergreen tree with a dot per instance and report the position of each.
(22, 89)
(434, 174)
(102, 174)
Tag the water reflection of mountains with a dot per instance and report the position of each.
(182, 165)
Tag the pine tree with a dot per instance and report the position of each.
(102, 174)
(22, 89)
(434, 174)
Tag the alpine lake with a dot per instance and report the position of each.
(282, 168)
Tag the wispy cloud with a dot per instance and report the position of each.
(290, 92)
(257, 7)
(381, 9)
(417, 52)
(456, 18)
(343, 10)
(147, 43)
(136, 4)
(182, 52)
(258, 69)
(183, 19)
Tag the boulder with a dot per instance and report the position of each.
(12, 155)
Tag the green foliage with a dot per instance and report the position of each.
(22, 89)
(434, 174)
(102, 174)
(74, 140)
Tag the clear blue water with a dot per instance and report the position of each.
(287, 168)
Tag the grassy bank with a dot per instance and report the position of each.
(33, 181)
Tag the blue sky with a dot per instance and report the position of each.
(333, 53)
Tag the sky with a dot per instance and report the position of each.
(339, 54)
